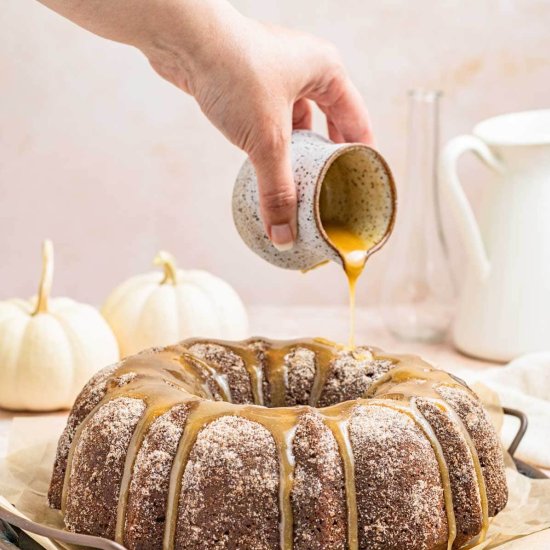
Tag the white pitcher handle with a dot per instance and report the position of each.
(453, 194)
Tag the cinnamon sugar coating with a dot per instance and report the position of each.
(229, 490)
(98, 465)
(148, 493)
(399, 494)
(229, 495)
(351, 377)
(318, 496)
(476, 420)
(465, 489)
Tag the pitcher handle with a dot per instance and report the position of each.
(455, 196)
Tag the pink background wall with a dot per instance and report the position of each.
(112, 163)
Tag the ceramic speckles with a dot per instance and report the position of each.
(369, 205)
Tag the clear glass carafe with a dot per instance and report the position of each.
(418, 291)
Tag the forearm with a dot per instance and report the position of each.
(254, 81)
(162, 29)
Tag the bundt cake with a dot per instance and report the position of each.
(264, 445)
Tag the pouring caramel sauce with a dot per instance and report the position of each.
(353, 251)
(350, 229)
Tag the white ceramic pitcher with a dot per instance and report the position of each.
(504, 307)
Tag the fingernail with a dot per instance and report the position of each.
(281, 237)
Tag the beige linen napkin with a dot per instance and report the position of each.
(524, 384)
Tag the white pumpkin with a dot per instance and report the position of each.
(158, 309)
(49, 348)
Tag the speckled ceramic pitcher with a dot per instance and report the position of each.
(367, 203)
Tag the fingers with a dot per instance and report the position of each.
(276, 182)
(302, 115)
(271, 159)
(333, 133)
(347, 116)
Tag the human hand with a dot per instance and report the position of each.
(255, 83)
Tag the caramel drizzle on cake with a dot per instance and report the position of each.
(337, 419)
(175, 375)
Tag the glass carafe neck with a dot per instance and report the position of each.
(422, 149)
(418, 292)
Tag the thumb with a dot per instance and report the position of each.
(277, 190)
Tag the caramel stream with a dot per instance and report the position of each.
(174, 376)
(355, 216)
(353, 250)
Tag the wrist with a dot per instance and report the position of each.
(186, 38)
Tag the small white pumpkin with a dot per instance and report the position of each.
(158, 309)
(50, 348)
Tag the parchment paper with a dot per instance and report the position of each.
(26, 470)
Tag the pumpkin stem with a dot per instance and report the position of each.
(45, 285)
(168, 263)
